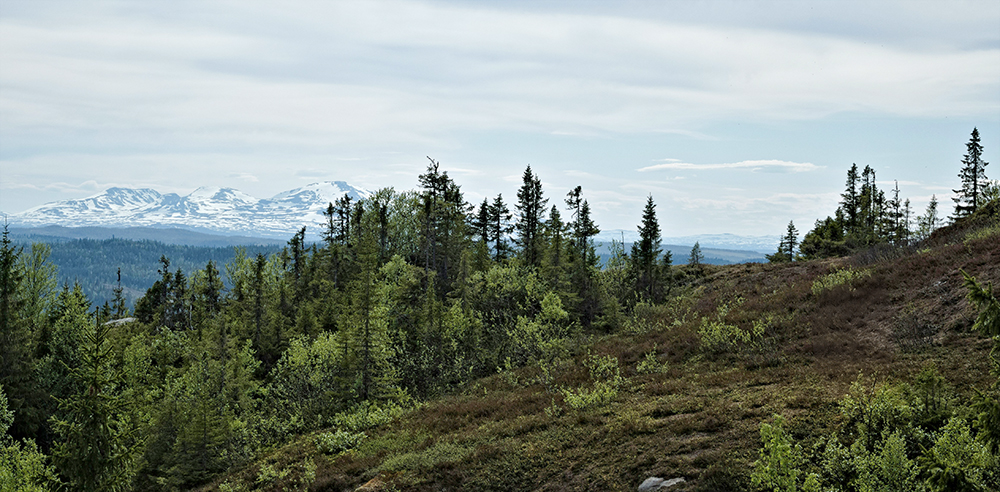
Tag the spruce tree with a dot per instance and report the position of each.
(646, 252)
(786, 248)
(499, 227)
(118, 307)
(696, 257)
(95, 439)
(973, 176)
(342, 223)
(15, 361)
(851, 200)
(555, 262)
(480, 222)
(531, 211)
(583, 226)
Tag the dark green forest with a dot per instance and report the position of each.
(412, 296)
(95, 264)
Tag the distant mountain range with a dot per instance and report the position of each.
(200, 217)
(225, 211)
(760, 244)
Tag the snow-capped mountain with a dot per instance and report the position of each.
(220, 210)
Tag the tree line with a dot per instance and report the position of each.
(867, 216)
(409, 295)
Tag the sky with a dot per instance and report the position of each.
(735, 116)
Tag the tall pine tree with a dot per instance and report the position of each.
(646, 254)
(531, 211)
(973, 175)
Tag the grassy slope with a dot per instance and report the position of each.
(700, 418)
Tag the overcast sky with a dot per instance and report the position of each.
(736, 116)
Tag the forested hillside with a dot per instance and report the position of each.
(427, 344)
(94, 264)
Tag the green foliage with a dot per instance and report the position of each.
(716, 335)
(891, 444)
(777, 468)
(786, 248)
(368, 415)
(957, 461)
(606, 377)
(308, 386)
(434, 456)
(15, 331)
(886, 468)
(650, 364)
(825, 240)
(95, 445)
(23, 467)
(837, 278)
(338, 442)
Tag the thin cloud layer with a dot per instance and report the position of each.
(760, 165)
(215, 91)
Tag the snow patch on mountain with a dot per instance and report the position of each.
(222, 210)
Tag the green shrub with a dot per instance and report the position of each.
(650, 364)
(887, 469)
(957, 461)
(338, 442)
(982, 233)
(607, 378)
(439, 453)
(837, 278)
(778, 465)
(717, 336)
(367, 415)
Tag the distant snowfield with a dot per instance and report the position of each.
(225, 211)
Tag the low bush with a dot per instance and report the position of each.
(838, 278)
(434, 456)
(607, 378)
(338, 442)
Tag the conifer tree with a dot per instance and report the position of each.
(206, 300)
(851, 200)
(444, 221)
(554, 264)
(499, 227)
(646, 252)
(584, 228)
(15, 361)
(297, 245)
(118, 307)
(786, 248)
(696, 257)
(928, 223)
(95, 439)
(342, 222)
(480, 222)
(973, 176)
(531, 211)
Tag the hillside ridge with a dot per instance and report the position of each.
(681, 409)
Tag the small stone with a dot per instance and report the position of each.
(656, 483)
